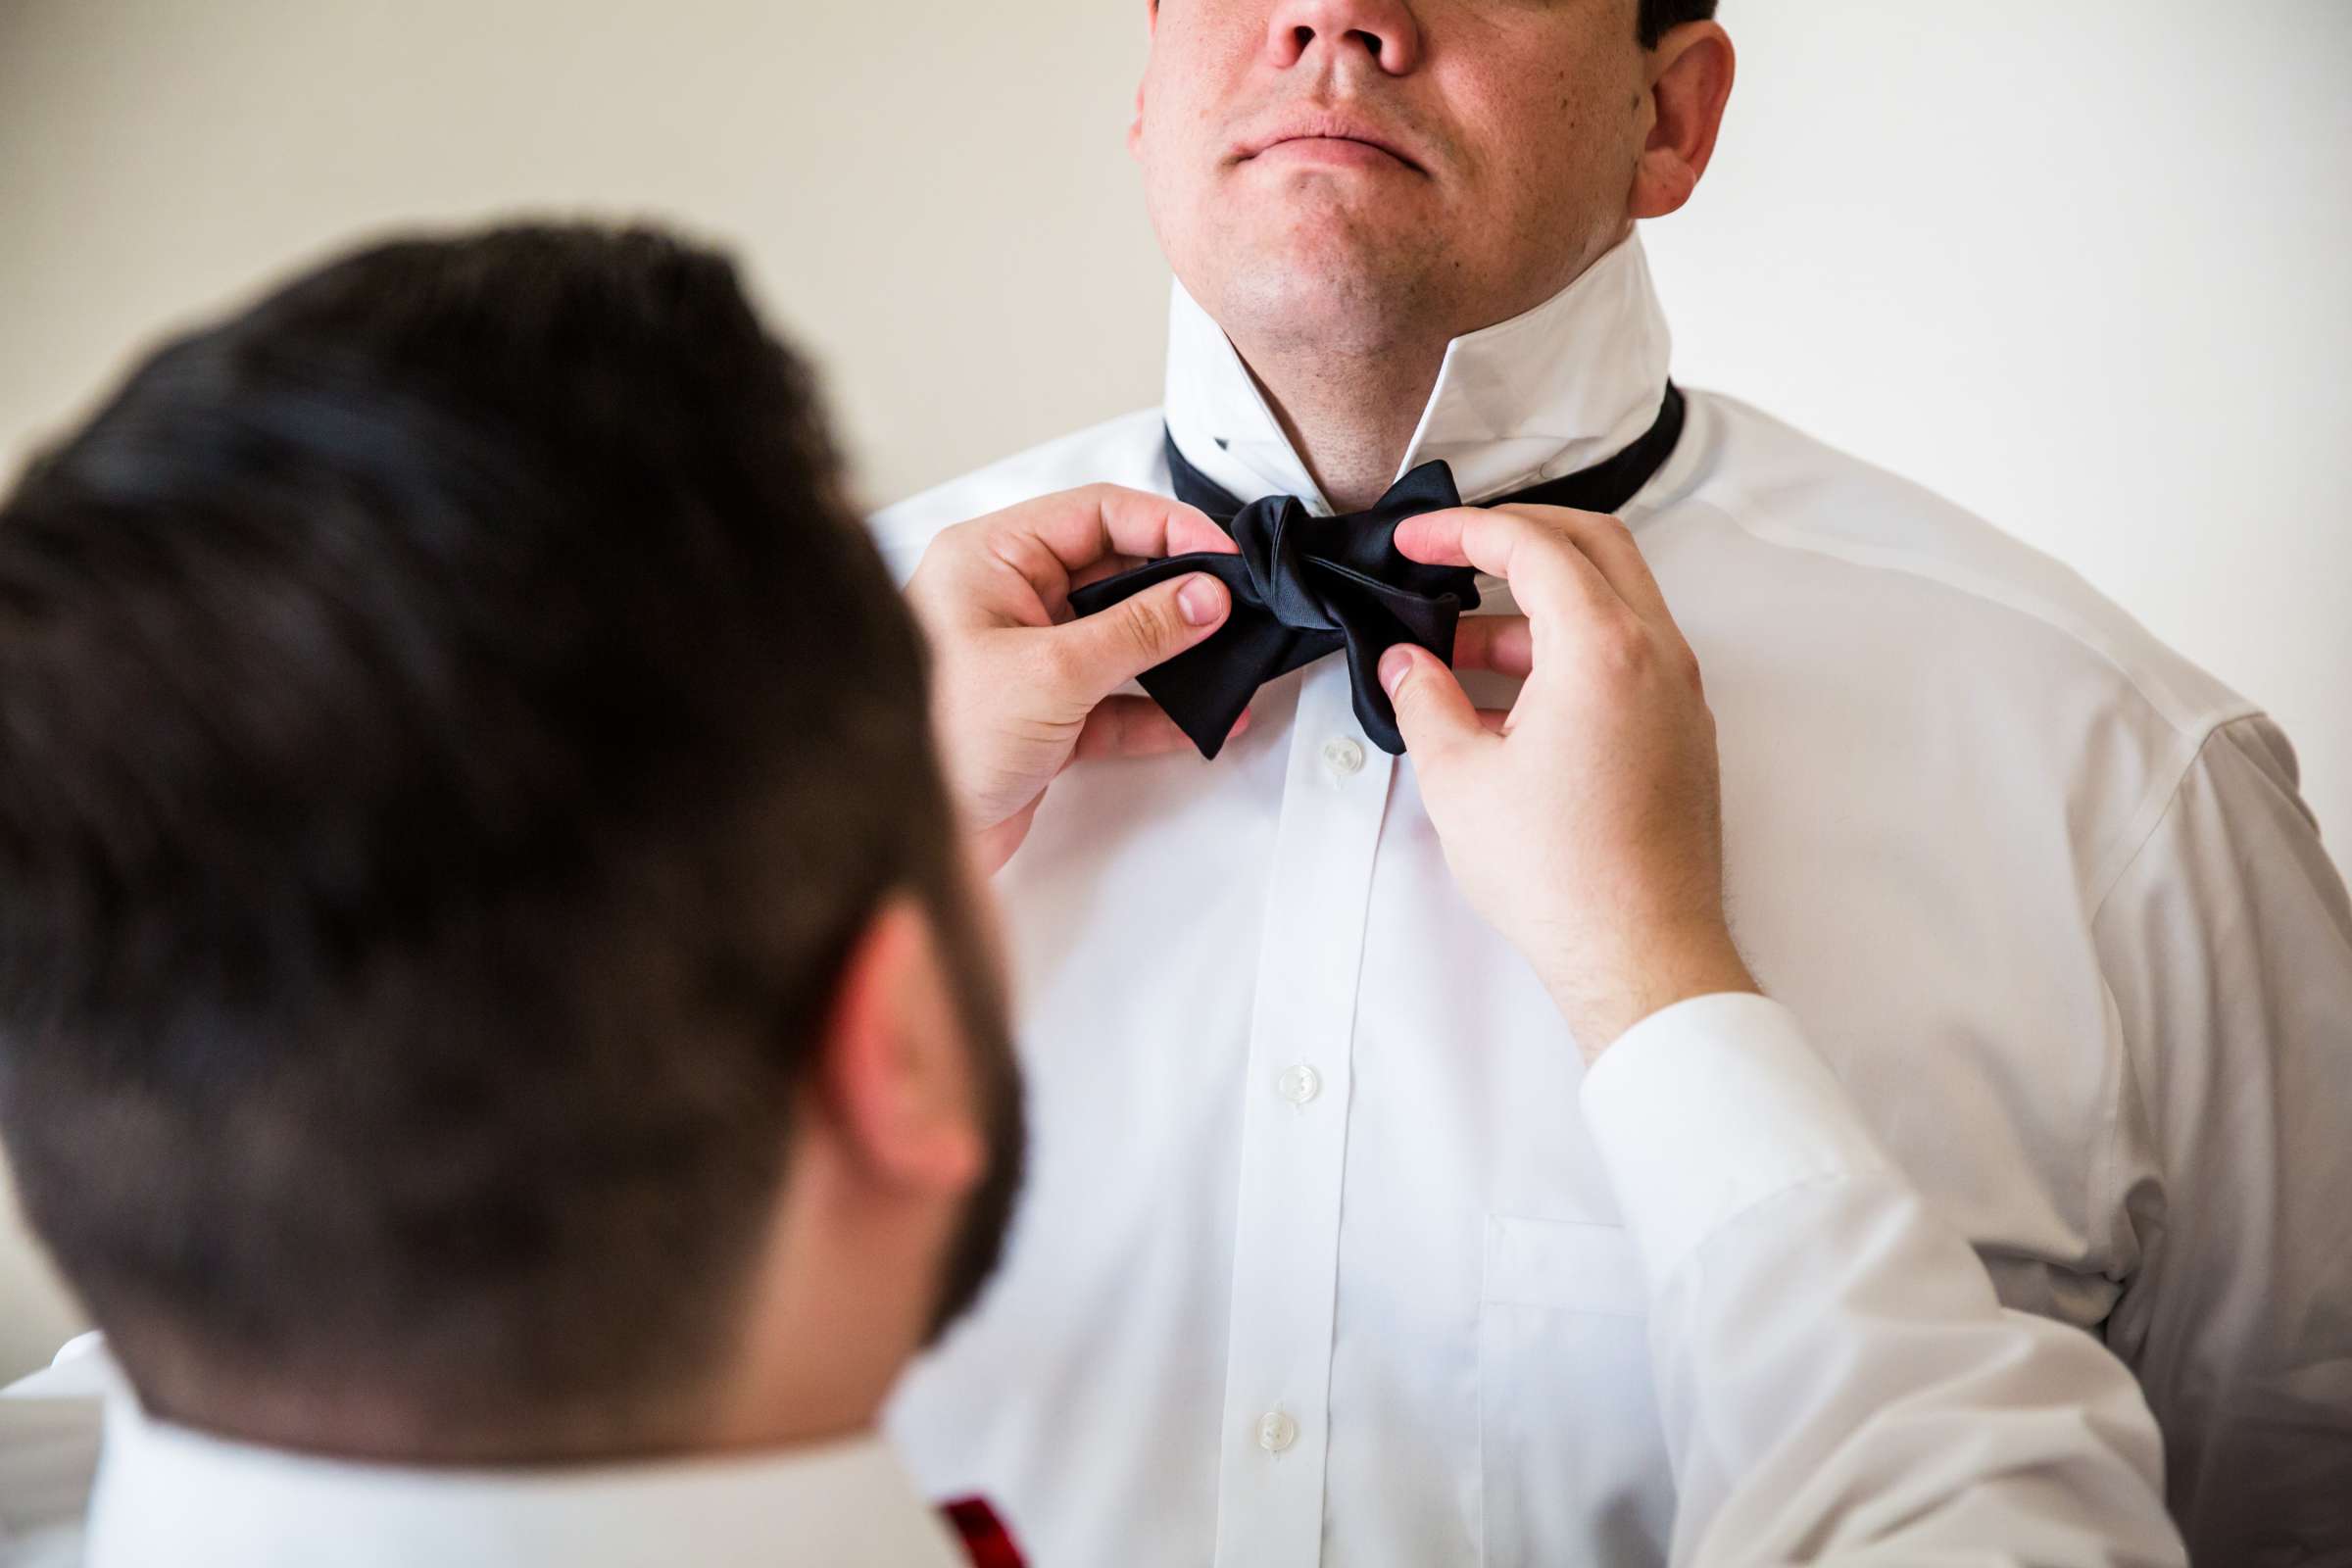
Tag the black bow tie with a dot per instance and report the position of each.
(1305, 586)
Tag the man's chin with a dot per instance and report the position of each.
(1345, 292)
(1328, 249)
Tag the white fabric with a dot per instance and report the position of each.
(1713, 1107)
(49, 1439)
(1892, 1412)
(168, 1497)
(1888, 1410)
(2041, 891)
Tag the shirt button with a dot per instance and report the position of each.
(1299, 1084)
(1343, 756)
(1276, 1432)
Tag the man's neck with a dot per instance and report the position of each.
(397, 1431)
(1349, 417)
(1349, 404)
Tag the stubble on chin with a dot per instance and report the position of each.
(1310, 271)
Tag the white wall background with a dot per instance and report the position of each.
(2081, 266)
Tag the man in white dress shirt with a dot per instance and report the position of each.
(2043, 894)
(495, 1029)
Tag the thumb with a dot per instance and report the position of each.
(1110, 648)
(1434, 713)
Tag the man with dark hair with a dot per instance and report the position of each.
(491, 792)
(432, 862)
(495, 1025)
(2044, 892)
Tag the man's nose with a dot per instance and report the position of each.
(1382, 30)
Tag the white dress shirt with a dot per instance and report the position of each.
(1839, 1383)
(1310, 1268)
(168, 1497)
(1894, 1411)
(50, 1426)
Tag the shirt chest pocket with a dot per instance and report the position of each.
(1573, 1464)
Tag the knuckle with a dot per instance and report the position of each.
(1526, 524)
(1149, 626)
(945, 546)
(1621, 648)
(1556, 523)
(1692, 675)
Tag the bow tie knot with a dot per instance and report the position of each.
(1303, 587)
(1276, 548)
(1310, 571)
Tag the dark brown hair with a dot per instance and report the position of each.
(1662, 17)
(451, 728)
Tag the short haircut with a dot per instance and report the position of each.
(1662, 17)
(452, 729)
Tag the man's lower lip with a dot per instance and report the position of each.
(1336, 151)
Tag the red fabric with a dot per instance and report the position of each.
(986, 1540)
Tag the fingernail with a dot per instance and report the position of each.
(1393, 667)
(1201, 599)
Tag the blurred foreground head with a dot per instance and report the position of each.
(484, 969)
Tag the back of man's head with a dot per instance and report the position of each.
(453, 731)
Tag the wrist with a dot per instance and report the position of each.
(1602, 996)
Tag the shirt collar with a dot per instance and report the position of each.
(167, 1494)
(1546, 393)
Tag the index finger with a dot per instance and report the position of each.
(1079, 527)
(1602, 539)
(1547, 573)
(1609, 545)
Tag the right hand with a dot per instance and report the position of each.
(1584, 824)
(1019, 689)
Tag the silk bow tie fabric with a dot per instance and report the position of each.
(1305, 586)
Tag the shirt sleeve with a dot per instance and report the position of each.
(1837, 1382)
(2227, 948)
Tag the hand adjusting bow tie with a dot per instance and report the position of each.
(1305, 586)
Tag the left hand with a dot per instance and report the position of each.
(1019, 689)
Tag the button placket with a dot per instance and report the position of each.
(1293, 1137)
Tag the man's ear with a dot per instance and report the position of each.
(1689, 82)
(895, 1079)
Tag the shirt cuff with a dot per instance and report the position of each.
(1706, 1108)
